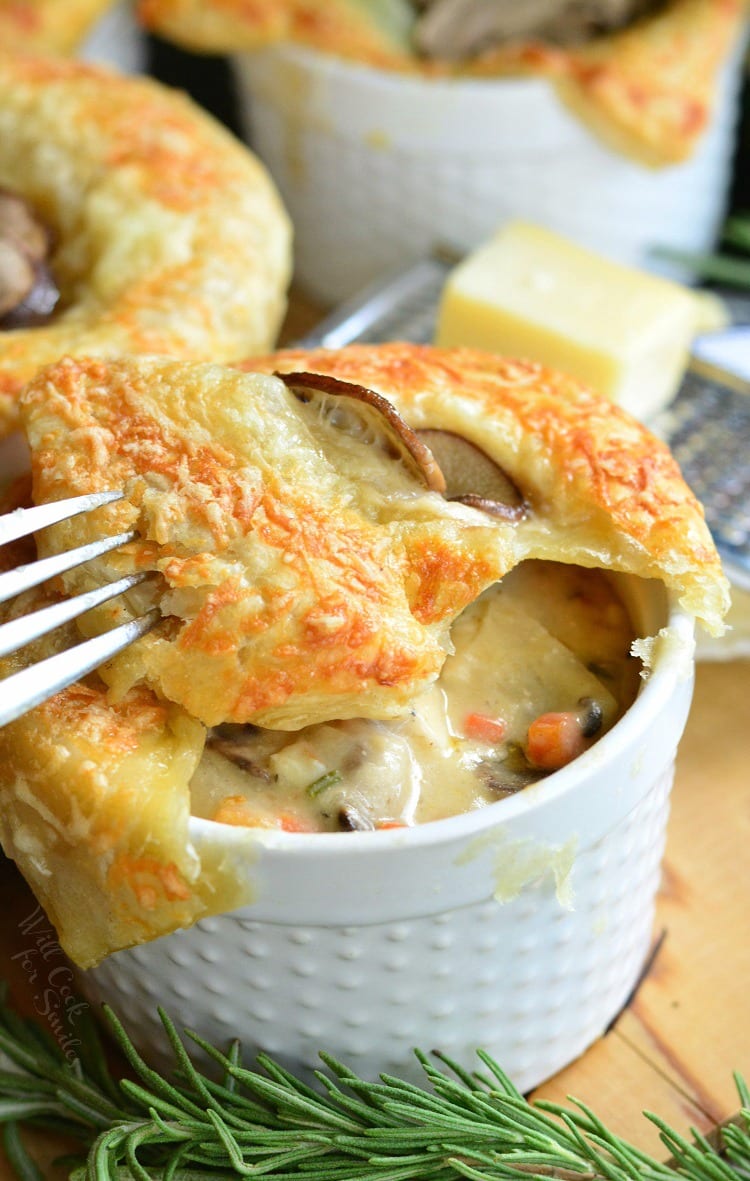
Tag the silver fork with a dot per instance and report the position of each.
(21, 691)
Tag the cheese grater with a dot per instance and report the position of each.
(707, 426)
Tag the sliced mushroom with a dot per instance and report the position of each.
(351, 819)
(38, 305)
(28, 292)
(364, 413)
(472, 477)
(236, 744)
(16, 276)
(19, 223)
(590, 716)
(454, 29)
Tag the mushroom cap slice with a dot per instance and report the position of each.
(19, 223)
(472, 476)
(16, 276)
(355, 408)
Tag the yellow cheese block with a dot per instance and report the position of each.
(531, 293)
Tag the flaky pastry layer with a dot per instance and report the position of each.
(294, 589)
(603, 490)
(168, 235)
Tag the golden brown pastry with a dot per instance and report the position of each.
(297, 529)
(48, 26)
(306, 573)
(167, 235)
(648, 90)
(601, 489)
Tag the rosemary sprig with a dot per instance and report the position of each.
(730, 269)
(269, 1123)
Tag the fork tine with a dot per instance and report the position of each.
(23, 521)
(18, 632)
(28, 688)
(13, 582)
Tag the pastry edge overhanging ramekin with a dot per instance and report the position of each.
(520, 927)
(376, 167)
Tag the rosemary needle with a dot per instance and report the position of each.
(267, 1122)
(732, 270)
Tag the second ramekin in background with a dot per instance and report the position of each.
(375, 167)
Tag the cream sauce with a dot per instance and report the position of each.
(548, 639)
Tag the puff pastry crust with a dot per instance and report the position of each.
(170, 238)
(94, 785)
(294, 588)
(603, 491)
(648, 91)
(95, 803)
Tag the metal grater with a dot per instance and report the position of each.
(707, 425)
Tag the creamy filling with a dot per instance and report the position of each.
(455, 29)
(541, 668)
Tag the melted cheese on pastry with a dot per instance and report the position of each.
(648, 90)
(168, 235)
(304, 574)
(602, 490)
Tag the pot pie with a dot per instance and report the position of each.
(388, 580)
(157, 231)
(642, 74)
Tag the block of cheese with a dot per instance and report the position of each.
(531, 293)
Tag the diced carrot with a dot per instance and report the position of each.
(483, 728)
(391, 824)
(291, 823)
(554, 740)
(238, 811)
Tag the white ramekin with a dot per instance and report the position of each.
(520, 927)
(375, 168)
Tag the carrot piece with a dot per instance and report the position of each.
(483, 728)
(554, 740)
(391, 824)
(238, 811)
(290, 823)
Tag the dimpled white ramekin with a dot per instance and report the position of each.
(377, 167)
(520, 927)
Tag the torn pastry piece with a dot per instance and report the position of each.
(601, 490)
(648, 89)
(28, 292)
(161, 233)
(309, 567)
(95, 802)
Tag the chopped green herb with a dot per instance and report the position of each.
(330, 779)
